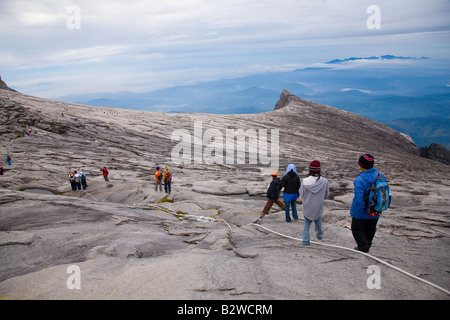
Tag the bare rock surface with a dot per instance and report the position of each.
(203, 240)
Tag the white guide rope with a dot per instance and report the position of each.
(360, 252)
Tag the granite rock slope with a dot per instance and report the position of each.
(202, 241)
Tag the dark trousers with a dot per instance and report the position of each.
(270, 203)
(363, 231)
(167, 186)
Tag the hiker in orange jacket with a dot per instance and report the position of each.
(158, 179)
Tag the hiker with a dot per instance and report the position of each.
(314, 190)
(1, 171)
(167, 178)
(8, 159)
(105, 173)
(83, 179)
(158, 179)
(291, 185)
(364, 221)
(273, 193)
(77, 179)
(72, 181)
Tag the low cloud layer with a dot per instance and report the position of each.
(146, 45)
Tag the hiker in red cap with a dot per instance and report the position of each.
(313, 190)
(273, 193)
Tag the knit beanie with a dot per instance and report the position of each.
(366, 161)
(314, 166)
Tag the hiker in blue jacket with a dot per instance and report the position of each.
(364, 221)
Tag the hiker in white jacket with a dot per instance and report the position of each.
(77, 179)
(313, 190)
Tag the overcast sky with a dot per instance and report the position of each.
(56, 48)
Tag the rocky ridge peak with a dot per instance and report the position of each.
(4, 86)
(286, 98)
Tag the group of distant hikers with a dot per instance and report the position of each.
(163, 177)
(371, 197)
(77, 179)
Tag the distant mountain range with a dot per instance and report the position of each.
(385, 57)
(409, 94)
